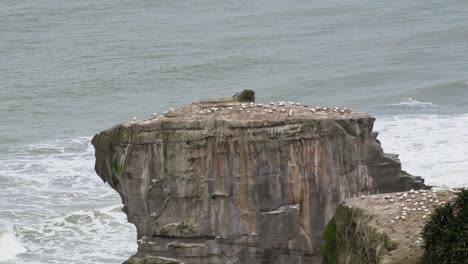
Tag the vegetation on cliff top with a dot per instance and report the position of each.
(446, 233)
(245, 96)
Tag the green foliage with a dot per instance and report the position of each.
(330, 248)
(246, 96)
(446, 233)
(405, 173)
(349, 238)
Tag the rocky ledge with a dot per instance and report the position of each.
(228, 182)
(383, 228)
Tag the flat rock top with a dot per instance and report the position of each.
(228, 109)
(402, 216)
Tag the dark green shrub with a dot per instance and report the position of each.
(245, 96)
(446, 233)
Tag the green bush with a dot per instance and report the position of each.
(446, 233)
(245, 96)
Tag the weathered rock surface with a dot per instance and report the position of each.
(218, 182)
(383, 228)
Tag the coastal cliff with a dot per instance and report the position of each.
(220, 182)
(382, 228)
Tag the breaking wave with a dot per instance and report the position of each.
(432, 146)
(10, 247)
(410, 102)
(62, 212)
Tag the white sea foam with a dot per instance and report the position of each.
(97, 235)
(58, 203)
(10, 247)
(433, 146)
(410, 102)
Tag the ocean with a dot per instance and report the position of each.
(70, 69)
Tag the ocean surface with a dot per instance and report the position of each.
(69, 69)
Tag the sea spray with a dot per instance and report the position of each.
(10, 247)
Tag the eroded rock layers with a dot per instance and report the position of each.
(241, 187)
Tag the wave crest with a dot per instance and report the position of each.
(410, 102)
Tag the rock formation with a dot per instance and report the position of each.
(383, 228)
(218, 182)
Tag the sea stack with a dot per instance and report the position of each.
(233, 182)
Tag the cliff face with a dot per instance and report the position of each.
(235, 183)
(383, 228)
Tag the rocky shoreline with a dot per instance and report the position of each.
(233, 182)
